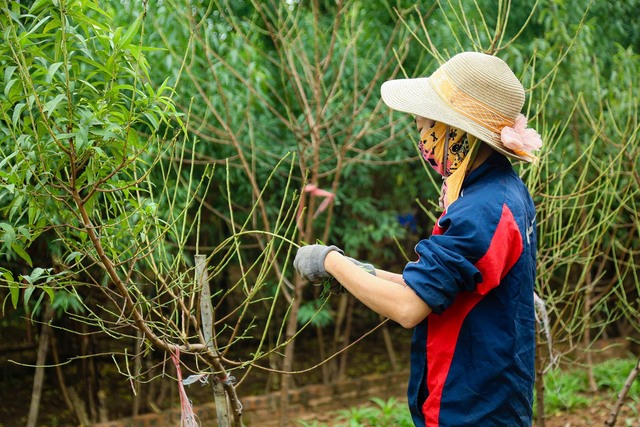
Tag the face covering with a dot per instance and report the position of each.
(450, 152)
(441, 139)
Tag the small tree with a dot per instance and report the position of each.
(97, 161)
(272, 77)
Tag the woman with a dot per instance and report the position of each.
(469, 295)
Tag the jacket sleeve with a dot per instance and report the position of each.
(447, 261)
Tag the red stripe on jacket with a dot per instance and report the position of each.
(443, 330)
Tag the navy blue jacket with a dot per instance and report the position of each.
(472, 359)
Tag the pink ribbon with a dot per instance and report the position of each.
(520, 139)
(313, 190)
(188, 417)
(318, 192)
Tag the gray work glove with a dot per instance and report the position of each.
(309, 262)
(369, 268)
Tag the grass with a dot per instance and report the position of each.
(566, 390)
(383, 413)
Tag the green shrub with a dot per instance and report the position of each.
(569, 389)
(564, 390)
(383, 413)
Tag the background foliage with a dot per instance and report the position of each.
(135, 136)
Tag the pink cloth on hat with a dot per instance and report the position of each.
(520, 138)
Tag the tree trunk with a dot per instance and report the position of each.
(153, 399)
(61, 382)
(88, 374)
(338, 335)
(322, 353)
(346, 339)
(388, 343)
(38, 378)
(103, 407)
(79, 407)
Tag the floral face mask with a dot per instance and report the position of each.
(444, 148)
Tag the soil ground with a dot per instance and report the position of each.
(596, 415)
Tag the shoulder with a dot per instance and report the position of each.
(485, 206)
(484, 196)
(478, 207)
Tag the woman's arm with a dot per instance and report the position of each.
(392, 277)
(385, 293)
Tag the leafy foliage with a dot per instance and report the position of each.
(133, 136)
(77, 121)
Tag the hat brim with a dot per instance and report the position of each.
(417, 96)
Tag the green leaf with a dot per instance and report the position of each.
(131, 32)
(152, 119)
(27, 293)
(9, 236)
(97, 9)
(24, 232)
(49, 291)
(82, 136)
(6, 159)
(34, 214)
(96, 64)
(7, 32)
(35, 7)
(53, 68)
(73, 256)
(34, 28)
(17, 204)
(37, 304)
(36, 273)
(51, 105)
(22, 253)
(16, 113)
(14, 289)
(8, 73)
(132, 138)
(24, 141)
(53, 25)
(8, 86)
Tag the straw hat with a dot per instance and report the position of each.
(472, 91)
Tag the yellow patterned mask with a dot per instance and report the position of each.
(450, 151)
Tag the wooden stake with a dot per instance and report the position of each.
(206, 315)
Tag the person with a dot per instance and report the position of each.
(469, 294)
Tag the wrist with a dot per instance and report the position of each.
(330, 261)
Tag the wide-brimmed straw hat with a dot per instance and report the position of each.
(472, 91)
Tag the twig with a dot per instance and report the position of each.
(611, 421)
